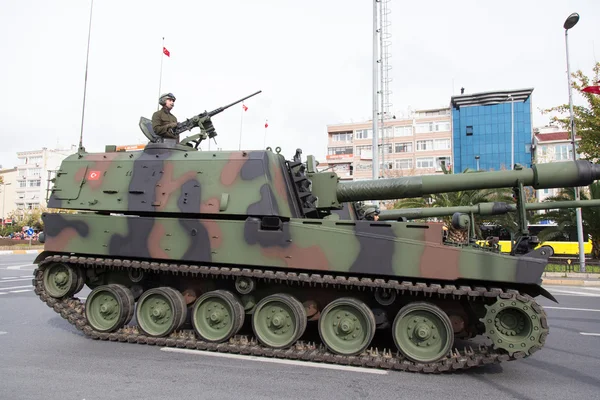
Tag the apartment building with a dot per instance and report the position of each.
(416, 145)
(8, 180)
(34, 170)
(552, 144)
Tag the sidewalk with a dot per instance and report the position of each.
(32, 251)
(571, 279)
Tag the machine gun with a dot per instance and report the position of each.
(203, 121)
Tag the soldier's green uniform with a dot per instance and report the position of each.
(163, 121)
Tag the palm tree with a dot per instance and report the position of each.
(457, 199)
(566, 218)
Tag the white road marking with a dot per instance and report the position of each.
(2, 293)
(11, 277)
(589, 334)
(18, 267)
(17, 279)
(571, 309)
(3, 333)
(276, 361)
(26, 276)
(573, 292)
(15, 287)
(21, 291)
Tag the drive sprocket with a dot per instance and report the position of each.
(516, 323)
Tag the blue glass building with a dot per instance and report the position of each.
(481, 127)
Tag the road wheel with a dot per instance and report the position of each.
(217, 316)
(279, 320)
(347, 326)
(423, 332)
(109, 307)
(160, 311)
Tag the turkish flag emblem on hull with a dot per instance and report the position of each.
(93, 176)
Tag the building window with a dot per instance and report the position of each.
(406, 147)
(364, 150)
(425, 162)
(342, 137)
(364, 134)
(403, 131)
(405, 163)
(334, 151)
(364, 166)
(424, 145)
(469, 130)
(428, 127)
(387, 148)
(35, 172)
(386, 165)
(35, 183)
(22, 172)
(438, 162)
(563, 152)
(22, 183)
(442, 144)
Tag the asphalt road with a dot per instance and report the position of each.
(43, 357)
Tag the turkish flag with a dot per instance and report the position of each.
(244, 107)
(166, 52)
(266, 124)
(93, 175)
(591, 89)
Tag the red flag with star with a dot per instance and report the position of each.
(266, 124)
(244, 107)
(591, 89)
(166, 52)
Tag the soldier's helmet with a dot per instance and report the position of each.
(163, 97)
(370, 213)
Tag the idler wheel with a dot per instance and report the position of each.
(61, 280)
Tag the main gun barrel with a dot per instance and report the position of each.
(540, 176)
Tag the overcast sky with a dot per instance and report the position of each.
(312, 60)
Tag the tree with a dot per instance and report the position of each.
(566, 219)
(587, 118)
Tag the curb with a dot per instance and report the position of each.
(7, 252)
(571, 282)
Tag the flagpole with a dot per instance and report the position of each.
(87, 57)
(241, 125)
(265, 138)
(162, 55)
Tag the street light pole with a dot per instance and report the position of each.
(477, 161)
(570, 22)
(512, 131)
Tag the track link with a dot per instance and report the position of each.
(72, 309)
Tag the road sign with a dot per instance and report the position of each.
(30, 231)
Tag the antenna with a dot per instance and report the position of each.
(81, 148)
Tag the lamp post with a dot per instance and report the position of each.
(512, 131)
(477, 161)
(3, 201)
(570, 22)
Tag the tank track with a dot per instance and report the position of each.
(72, 309)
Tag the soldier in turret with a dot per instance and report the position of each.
(163, 121)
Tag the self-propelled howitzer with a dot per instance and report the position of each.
(195, 242)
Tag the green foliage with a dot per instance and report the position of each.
(566, 219)
(587, 117)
